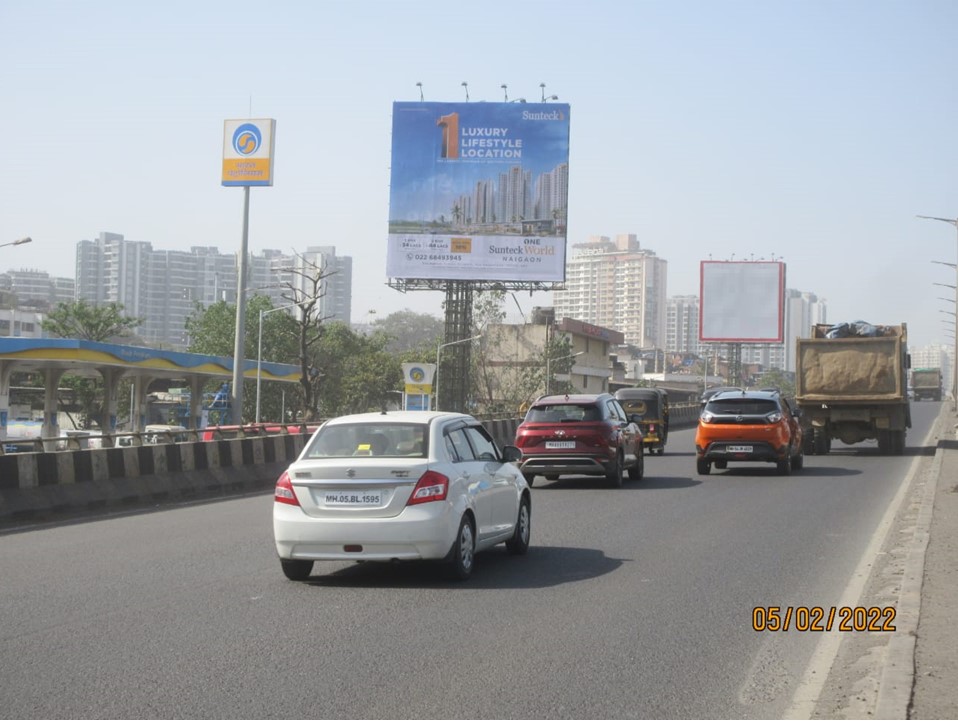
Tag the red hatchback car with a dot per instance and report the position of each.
(579, 435)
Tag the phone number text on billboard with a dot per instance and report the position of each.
(476, 258)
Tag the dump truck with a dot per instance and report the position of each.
(851, 384)
(926, 383)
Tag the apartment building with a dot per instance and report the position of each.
(164, 286)
(616, 284)
(35, 289)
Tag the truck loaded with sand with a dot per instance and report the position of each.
(851, 383)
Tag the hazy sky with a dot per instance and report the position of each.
(811, 131)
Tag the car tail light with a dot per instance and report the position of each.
(651, 428)
(284, 491)
(432, 486)
(706, 417)
(774, 417)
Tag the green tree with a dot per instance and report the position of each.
(776, 378)
(410, 331)
(86, 321)
(358, 373)
(211, 331)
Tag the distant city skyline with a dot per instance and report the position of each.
(812, 131)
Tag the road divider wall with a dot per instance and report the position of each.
(34, 485)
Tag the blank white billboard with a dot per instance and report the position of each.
(742, 302)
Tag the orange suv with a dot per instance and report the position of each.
(749, 426)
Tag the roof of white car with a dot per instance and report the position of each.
(424, 417)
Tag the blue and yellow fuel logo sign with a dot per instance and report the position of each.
(247, 139)
(417, 375)
(248, 152)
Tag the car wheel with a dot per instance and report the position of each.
(785, 465)
(552, 477)
(530, 478)
(637, 469)
(703, 467)
(614, 473)
(462, 556)
(798, 462)
(519, 543)
(296, 570)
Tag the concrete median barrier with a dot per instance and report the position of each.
(35, 486)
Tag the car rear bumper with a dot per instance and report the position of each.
(419, 532)
(548, 465)
(725, 451)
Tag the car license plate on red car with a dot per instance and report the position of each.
(560, 444)
(739, 449)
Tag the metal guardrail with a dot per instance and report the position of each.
(84, 441)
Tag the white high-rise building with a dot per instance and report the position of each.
(164, 286)
(615, 284)
(682, 324)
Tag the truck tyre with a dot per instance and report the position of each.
(898, 442)
(820, 442)
(885, 443)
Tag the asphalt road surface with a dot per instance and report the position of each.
(633, 602)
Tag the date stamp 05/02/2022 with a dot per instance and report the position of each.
(821, 619)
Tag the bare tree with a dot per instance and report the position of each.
(306, 290)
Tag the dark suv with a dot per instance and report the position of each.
(579, 435)
(737, 425)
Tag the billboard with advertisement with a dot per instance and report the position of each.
(479, 191)
(248, 152)
(742, 302)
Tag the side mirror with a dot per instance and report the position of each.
(511, 454)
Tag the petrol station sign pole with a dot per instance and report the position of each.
(247, 161)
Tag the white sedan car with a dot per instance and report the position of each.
(400, 486)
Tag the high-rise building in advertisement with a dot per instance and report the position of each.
(163, 287)
(616, 284)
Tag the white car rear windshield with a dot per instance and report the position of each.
(370, 439)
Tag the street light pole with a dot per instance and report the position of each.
(954, 362)
(549, 360)
(438, 351)
(19, 241)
